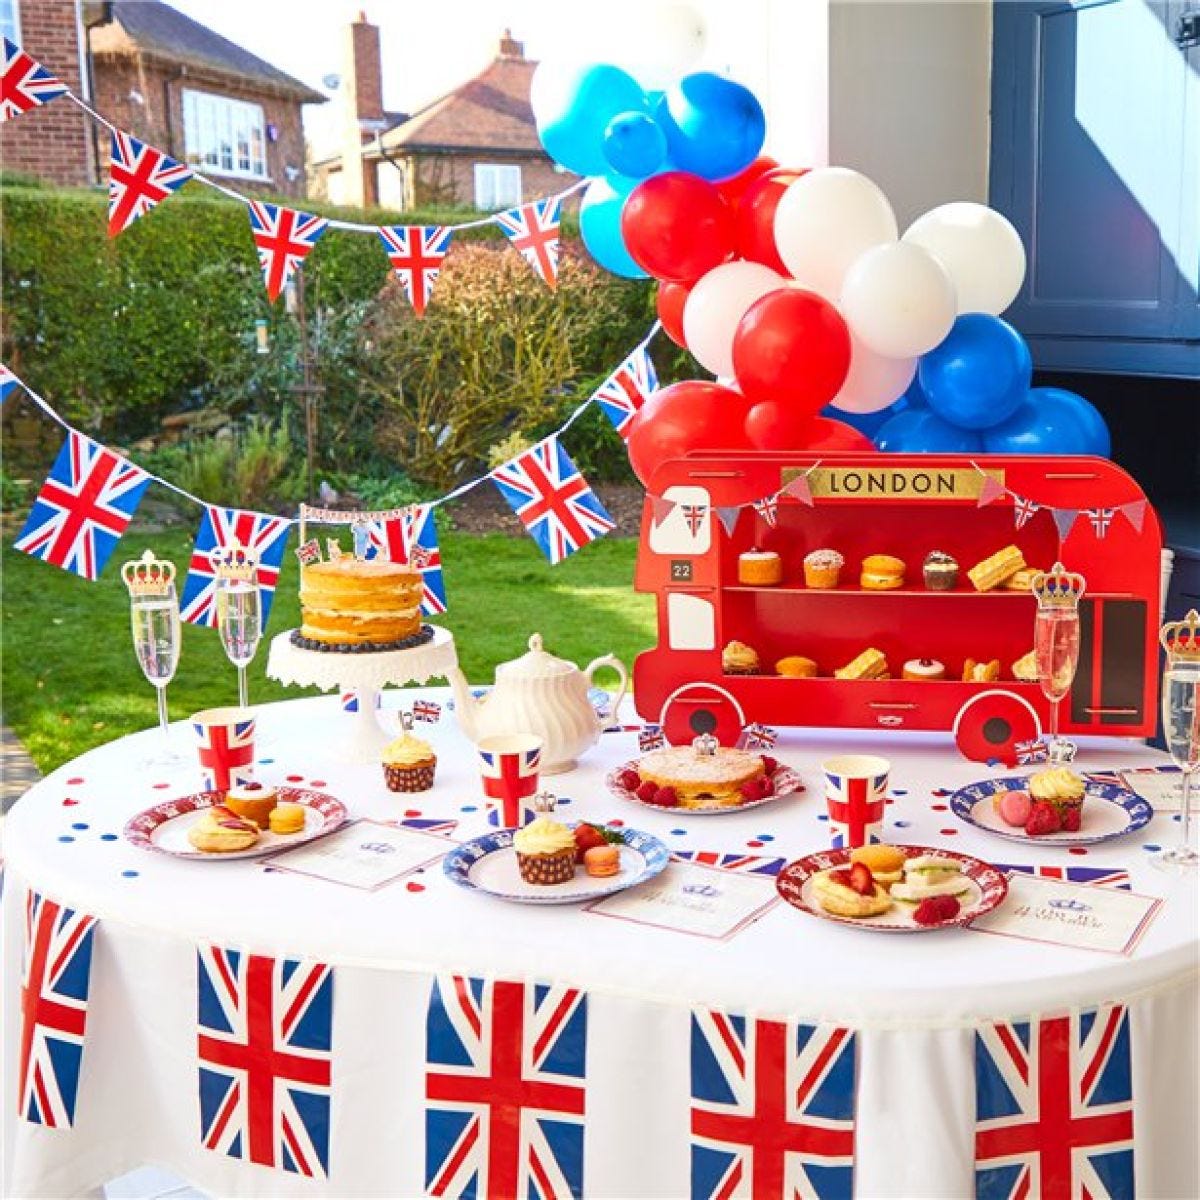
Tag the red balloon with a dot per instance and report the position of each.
(774, 425)
(755, 237)
(828, 434)
(791, 346)
(691, 415)
(677, 227)
(734, 188)
(669, 302)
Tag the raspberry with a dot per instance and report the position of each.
(1072, 818)
(666, 797)
(630, 780)
(1044, 818)
(646, 791)
(771, 765)
(935, 909)
(749, 791)
(766, 786)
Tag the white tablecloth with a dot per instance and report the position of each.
(914, 1000)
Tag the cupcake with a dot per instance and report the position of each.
(941, 571)
(796, 666)
(822, 568)
(252, 801)
(545, 847)
(739, 659)
(408, 764)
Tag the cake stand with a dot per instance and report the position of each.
(365, 674)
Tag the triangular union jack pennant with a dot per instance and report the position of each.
(660, 509)
(1135, 513)
(1064, 520)
(138, 178)
(25, 83)
(1101, 519)
(265, 1062)
(533, 230)
(546, 490)
(284, 238)
(728, 515)
(1023, 511)
(989, 490)
(527, 1043)
(8, 383)
(693, 515)
(416, 253)
(768, 509)
(411, 537)
(798, 489)
(84, 507)
(624, 392)
(219, 528)
(55, 979)
(772, 1107)
(1054, 1106)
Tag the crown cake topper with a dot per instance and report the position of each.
(1181, 639)
(544, 802)
(234, 563)
(1058, 587)
(148, 576)
(706, 745)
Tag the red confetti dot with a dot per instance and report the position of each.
(940, 807)
(755, 845)
(68, 802)
(889, 800)
(295, 779)
(1077, 850)
(412, 812)
(617, 823)
(75, 779)
(318, 783)
(948, 832)
(160, 786)
(414, 886)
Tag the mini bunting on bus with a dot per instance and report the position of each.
(768, 509)
(1101, 519)
(138, 178)
(416, 253)
(284, 238)
(624, 392)
(25, 83)
(728, 515)
(1064, 520)
(533, 230)
(1135, 513)
(798, 489)
(1023, 511)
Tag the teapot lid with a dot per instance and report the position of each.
(537, 664)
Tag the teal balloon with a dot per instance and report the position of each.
(1051, 421)
(573, 107)
(714, 127)
(634, 145)
(921, 431)
(600, 228)
(979, 375)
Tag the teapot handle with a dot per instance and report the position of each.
(610, 660)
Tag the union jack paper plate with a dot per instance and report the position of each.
(787, 783)
(165, 826)
(987, 886)
(1109, 811)
(489, 865)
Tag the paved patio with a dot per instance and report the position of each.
(18, 772)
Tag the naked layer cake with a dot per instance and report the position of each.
(347, 601)
(702, 780)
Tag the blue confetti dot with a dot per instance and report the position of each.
(1152, 847)
(899, 792)
(564, 800)
(67, 837)
(765, 837)
(469, 808)
(902, 824)
(79, 825)
(994, 762)
(1176, 817)
(266, 761)
(129, 874)
(109, 837)
(679, 833)
(822, 816)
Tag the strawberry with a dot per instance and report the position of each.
(771, 765)
(933, 910)
(1043, 818)
(587, 836)
(646, 791)
(629, 779)
(666, 797)
(861, 879)
(843, 877)
(1072, 817)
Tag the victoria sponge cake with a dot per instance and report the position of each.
(347, 601)
(702, 780)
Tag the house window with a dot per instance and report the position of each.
(497, 185)
(227, 136)
(10, 20)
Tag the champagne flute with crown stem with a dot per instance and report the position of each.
(1056, 646)
(1181, 727)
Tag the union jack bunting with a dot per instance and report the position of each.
(505, 1088)
(624, 392)
(743, 864)
(1054, 1107)
(265, 1063)
(772, 1108)
(768, 509)
(1064, 520)
(760, 737)
(8, 383)
(219, 527)
(138, 178)
(284, 238)
(416, 253)
(84, 507)
(650, 737)
(1135, 513)
(427, 710)
(546, 490)
(1112, 877)
(54, 1001)
(1101, 519)
(533, 230)
(25, 83)
(1023, 511)
(1031, 751)
(694, 515)
(412, 538)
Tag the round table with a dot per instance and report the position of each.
(913, 1003)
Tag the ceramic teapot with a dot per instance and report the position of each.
(539, 694)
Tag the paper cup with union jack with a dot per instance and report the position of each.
(855, 790)
(510, 765)
(225, 740)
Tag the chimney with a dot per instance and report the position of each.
(510, 47)
(362, 99)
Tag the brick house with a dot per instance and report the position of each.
(166, 79)
(477, 146)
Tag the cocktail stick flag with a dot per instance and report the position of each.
(221, 527)
(25, 83)
(264, 1041)
(411, 538)
(55, 980)
(138, 178)
(416, 253)
(624, 392)
(772, 1108)
(1054, 1107)
(505, 1089)
(8, 383)
(533, 230)
(284, 238)
(84, 507)
(546, 490)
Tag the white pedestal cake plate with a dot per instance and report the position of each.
(365, 674)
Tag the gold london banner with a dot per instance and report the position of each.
(908, 483)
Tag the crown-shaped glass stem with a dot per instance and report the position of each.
(1056, 645)
(1181, 639)
(1181, 728)
(1058, 587)
(148, 575)
(544, 803)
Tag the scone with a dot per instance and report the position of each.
(981, 672)
(796, 666)
(839, 898)
(739, 659)
(870, 664)
(760, 567)
(997, 569)
(882, 572)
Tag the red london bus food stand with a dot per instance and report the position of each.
(906, 506)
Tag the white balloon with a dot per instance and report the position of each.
(824, 222)
(873, 381)
(899, 300)
(981, 250)
(715, 305)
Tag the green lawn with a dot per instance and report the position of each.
(71, 681)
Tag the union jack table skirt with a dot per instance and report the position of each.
(261, 1033)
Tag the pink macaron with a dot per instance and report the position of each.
(1014, 808)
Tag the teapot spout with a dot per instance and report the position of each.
(466, 706)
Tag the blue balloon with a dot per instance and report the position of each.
(714, 127)
(600, 228)
(868, 424)
(1051, 421)
(918, 430)
(914, 395)
(634, 145)
(573, 107)
(979, 375)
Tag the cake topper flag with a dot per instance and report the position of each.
(284, 238)
(416, 253)
(623, 393)
(138, 178)
(533, 230)
(25, 83)
(310, 552)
